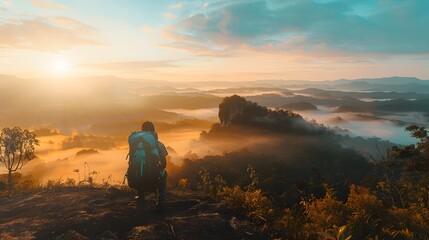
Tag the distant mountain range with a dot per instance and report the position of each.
(388, 80)
(387, 84)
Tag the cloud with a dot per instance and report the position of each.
(46, 4)
(46, 34)
(206, 5)
(392, 27)
(176, 6)
(7, 3)
(200, 49)
(131, 65)
(71, 23)
(169, 16)
(148, 29)
(89, 141)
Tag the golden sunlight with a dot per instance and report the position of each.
(61, 66)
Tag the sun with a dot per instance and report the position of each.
(61, 66)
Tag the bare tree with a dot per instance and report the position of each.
(16, 149)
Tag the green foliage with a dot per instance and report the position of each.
(366, 213)
(210, 186)
(324, 213)
(183, 184)
(364, 216)
(206, 184)
(236, 110)
(89, 177)
(415, 157)
(17, 148)
(3, 186)
(70, 182)
(290, 224)
(251, 202)
(54, 183)
(337, 233)
(26, 183)
(408, 223)
(233, 198)
(255, 180)
(22, 183)
(392, 202)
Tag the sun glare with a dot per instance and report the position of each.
(61, 66)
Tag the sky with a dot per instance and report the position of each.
(233, 40)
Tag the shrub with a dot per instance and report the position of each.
(210, 186)
(367, 213)
(324, 213)
(183, 184)
(70, 182)
(233, 198)
(290, 224)
(3, 186)
(412, 222)
(54, 183)
(252, 204)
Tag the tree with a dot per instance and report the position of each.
(415, 157)
(16, 149)
(406, 171)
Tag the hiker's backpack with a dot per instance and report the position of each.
(143, 171)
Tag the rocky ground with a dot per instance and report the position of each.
(95, 213)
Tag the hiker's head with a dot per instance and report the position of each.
(148, 126)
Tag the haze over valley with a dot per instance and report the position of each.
(297, 119)
(73, 115)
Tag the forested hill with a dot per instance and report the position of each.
(244, 121)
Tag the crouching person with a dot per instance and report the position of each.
(147, 162)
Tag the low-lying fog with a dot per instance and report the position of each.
(364, 125)
(58, 160)
(82, 133)
(205, 113)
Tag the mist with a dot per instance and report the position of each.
(96, 115)
(364, 125)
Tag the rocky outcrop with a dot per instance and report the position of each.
(91, 213)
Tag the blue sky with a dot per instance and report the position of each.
(207, 40)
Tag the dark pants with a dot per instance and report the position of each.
(161, 187)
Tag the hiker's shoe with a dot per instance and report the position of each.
(140, 201)
(139, 198)
(159, 206)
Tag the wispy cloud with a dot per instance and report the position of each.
(169, 16)
(46, 4)
(7, 3)
(176, 6)
(46, 34)
(395, 27)
(73, 24)
(148, 29)
(130, 65)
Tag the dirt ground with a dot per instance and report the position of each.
(96, 213)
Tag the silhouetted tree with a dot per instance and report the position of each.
(412, 163)
(16, 149)
(416, 156)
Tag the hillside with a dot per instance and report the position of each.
(95, 213)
